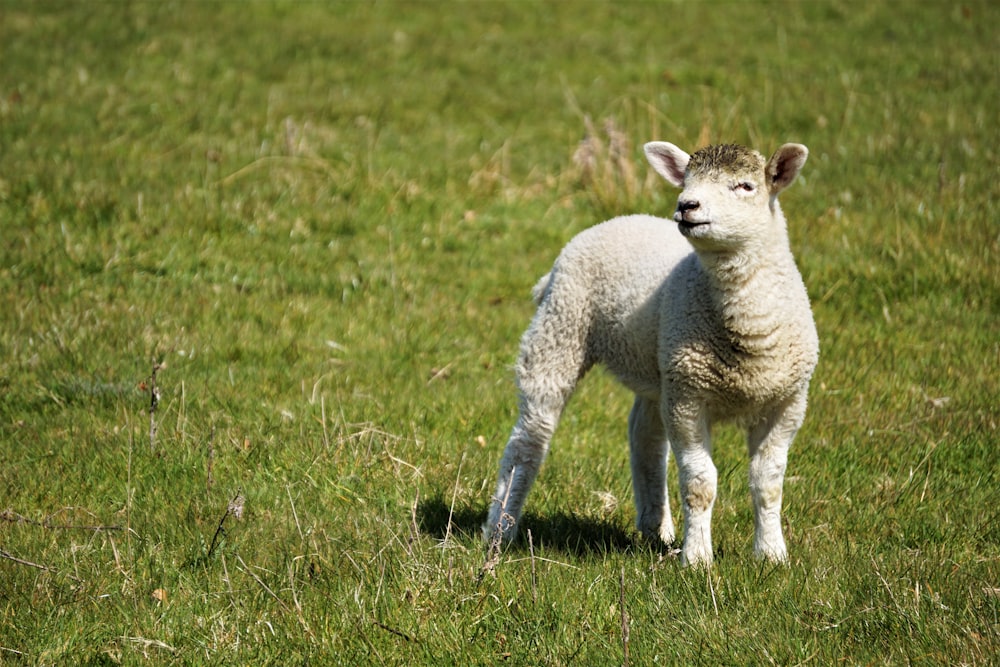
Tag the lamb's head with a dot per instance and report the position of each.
(730, 193)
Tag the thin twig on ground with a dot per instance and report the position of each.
(11, 516)
(20, 561)
(154, 401)
(235, 508)
(393, 631)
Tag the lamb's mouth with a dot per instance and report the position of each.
(688, 225)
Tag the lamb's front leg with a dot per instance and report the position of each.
(690, 440)
(768, 443)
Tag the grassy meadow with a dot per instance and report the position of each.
(263, 275)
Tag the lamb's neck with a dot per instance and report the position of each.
(749, 292)
(735, 271)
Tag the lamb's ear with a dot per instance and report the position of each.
(784, 166)
(668, 161)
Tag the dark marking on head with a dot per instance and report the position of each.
(730, 159)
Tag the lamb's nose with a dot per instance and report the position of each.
(685, 205)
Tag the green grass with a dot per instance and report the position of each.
(324, 222)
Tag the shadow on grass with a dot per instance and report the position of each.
(559, 531)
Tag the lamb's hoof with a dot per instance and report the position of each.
(657, 537)
(699, 557)
(774, 556)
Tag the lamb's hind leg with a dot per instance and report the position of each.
(526, 450)
(649, 453)
(546, 377)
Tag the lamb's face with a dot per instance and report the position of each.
(729, 195)
(725, 201)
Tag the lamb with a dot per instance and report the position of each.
(714, 328)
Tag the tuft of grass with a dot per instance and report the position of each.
(321, 223)
(607, 169)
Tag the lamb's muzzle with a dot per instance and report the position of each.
(684, 207)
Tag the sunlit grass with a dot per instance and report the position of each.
(323, 222)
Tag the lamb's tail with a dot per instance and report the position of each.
(540, 288)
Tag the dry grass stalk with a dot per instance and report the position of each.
(607, 168)
(534, 580)
(210, 463)
(625, 626)
(414, 525)
(154, 401)
(234, 509)
(454, 496)
(260, 582)
(495, 545)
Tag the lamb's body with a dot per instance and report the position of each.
(721, 333)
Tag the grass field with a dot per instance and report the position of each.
(306, 234)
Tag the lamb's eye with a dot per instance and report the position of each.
(745, 186)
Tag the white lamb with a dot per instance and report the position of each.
(721, 333)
